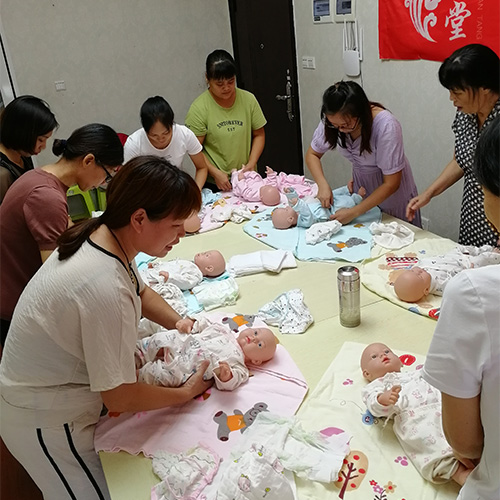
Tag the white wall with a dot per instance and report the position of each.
(114, 54)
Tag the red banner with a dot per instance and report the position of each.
(433, 29)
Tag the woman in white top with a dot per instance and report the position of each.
(160, 136)
(72, 338)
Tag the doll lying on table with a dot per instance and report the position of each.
(186, 274)
(250, 186)
(416, 407)
(431, 274)
(308, 211)
(169, 357)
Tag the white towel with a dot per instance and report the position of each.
(322, 231)
(261, 261)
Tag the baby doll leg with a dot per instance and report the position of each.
(461, 474)
(362, 192)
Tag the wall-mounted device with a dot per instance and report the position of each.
(322, 11)
(352, 46)
(344, 10)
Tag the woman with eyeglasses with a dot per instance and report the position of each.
(472, 76)
(370, 137)
(34, 212)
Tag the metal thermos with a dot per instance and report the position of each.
(348, 284)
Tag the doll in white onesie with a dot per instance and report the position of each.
(432, 274)
(169, 357)
(416, 407)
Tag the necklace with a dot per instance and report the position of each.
(130, 269)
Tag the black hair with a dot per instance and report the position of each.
(24, 120)
(97, 139)
(348, 98)
(220, 65)
(487, 157)
(156, 109)
(471, 67)
(148, 182)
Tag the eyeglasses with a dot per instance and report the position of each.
(108, 175)
(343, 127)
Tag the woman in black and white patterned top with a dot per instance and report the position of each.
(472, 75)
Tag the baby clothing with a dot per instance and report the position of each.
(261, 261)
(322, 231)
(310, 210)
(417, 422)
(391, 235)
(183, 273)
(183, 353)
(443, 267)
(184, 475)
(288, 312)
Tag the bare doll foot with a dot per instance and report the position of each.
(461, 474)
(362, 192)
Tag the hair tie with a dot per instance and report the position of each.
(63, 144)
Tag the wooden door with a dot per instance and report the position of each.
(264, 49)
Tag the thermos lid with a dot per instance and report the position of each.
(348, 273)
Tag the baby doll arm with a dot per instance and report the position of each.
(371, 394)
(239, 376)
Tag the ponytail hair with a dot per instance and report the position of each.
(147, 182)
(96, 139)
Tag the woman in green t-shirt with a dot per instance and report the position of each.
(227, 121)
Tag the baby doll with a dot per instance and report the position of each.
(210, 263)
(250, 186)
(169, 357)
(416, 407)
(432, 274)
(308, 211)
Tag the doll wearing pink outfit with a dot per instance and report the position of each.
(416, 407)
(250, 186)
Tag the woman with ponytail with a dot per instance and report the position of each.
(72, 338)
(34, 212)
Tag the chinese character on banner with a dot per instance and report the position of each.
(433, 29)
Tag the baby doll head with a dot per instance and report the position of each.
(283, 218)
(258, 345)
(211, 263)
(192, 223)
(377, 360)
(412, 284)
(270, 196)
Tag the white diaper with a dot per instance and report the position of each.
(322, 231)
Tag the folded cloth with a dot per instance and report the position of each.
(288, 312)
(322, 231)
(261, 261)
(233, 213)
(213, 294)
(391, 235)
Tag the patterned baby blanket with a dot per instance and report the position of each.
(217, 418)
(376, 468)
(352, 242)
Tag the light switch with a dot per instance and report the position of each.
(60, 85)
(308, 62)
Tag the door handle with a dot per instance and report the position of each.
(288, 96)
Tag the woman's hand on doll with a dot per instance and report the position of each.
(195, 384)
(224, 373)
(344, 215)
(221, 180)
(325, 195)
(185, 325)
(390, 397)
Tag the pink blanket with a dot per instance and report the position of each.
(217, 418)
